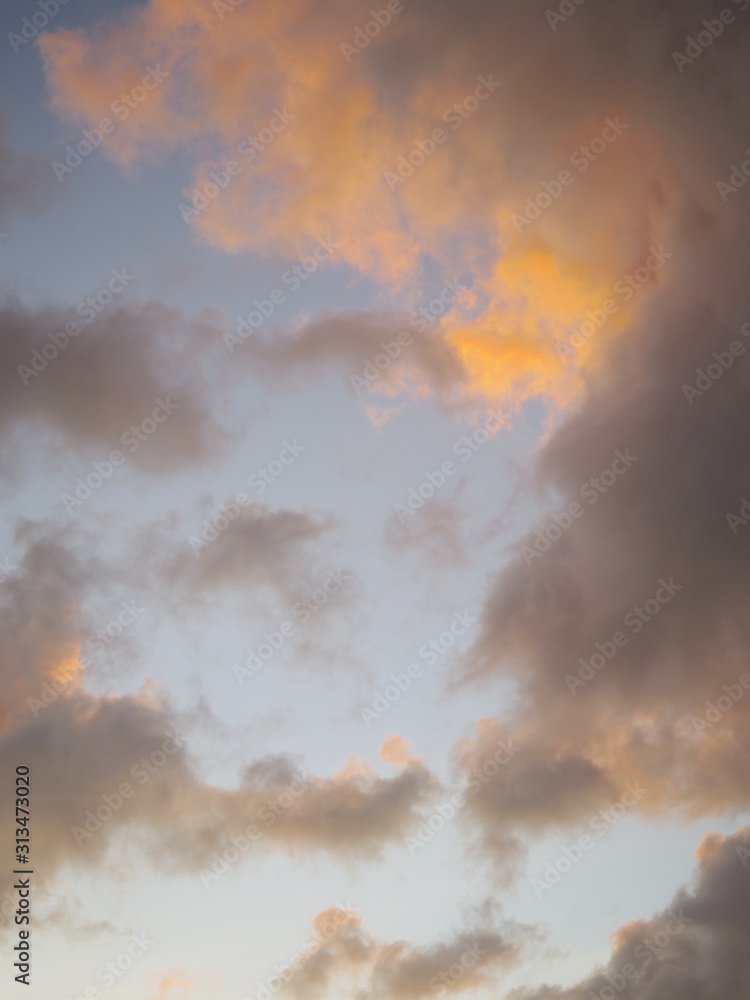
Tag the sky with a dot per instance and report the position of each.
(374, 435)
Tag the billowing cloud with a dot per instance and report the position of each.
(375, 352)
(697, 947)
(589, 211)
(518, 192)
(623, 616)
(107, 377)
(342, 953)
(40, 612)
(123, 764)
(102, 765)
(501, 163)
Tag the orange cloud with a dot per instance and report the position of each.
(312, 139)
(174, 984)
(68, 670)
(397, 751)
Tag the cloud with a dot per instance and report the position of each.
(695, 948)
(97, 389)
(518, 784)
(376, 352)
(623, 621)
(396, 750)
(438, 531)
(24, 180)
(174, 984)
(40, 612)
(235, 545)
(57, 589)
(342, 952)
(654, 556)
(103, 765)
(103, 744)
(515, 104)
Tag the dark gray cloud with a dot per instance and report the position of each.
(656, 539)
(468, 959)
(595, 711)
(365, 348)
(126, 378)
(40, 609)
(695, 949)
(644, 595)
(82, 749)
(235, 545)
(102, 766)
(25, 180)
